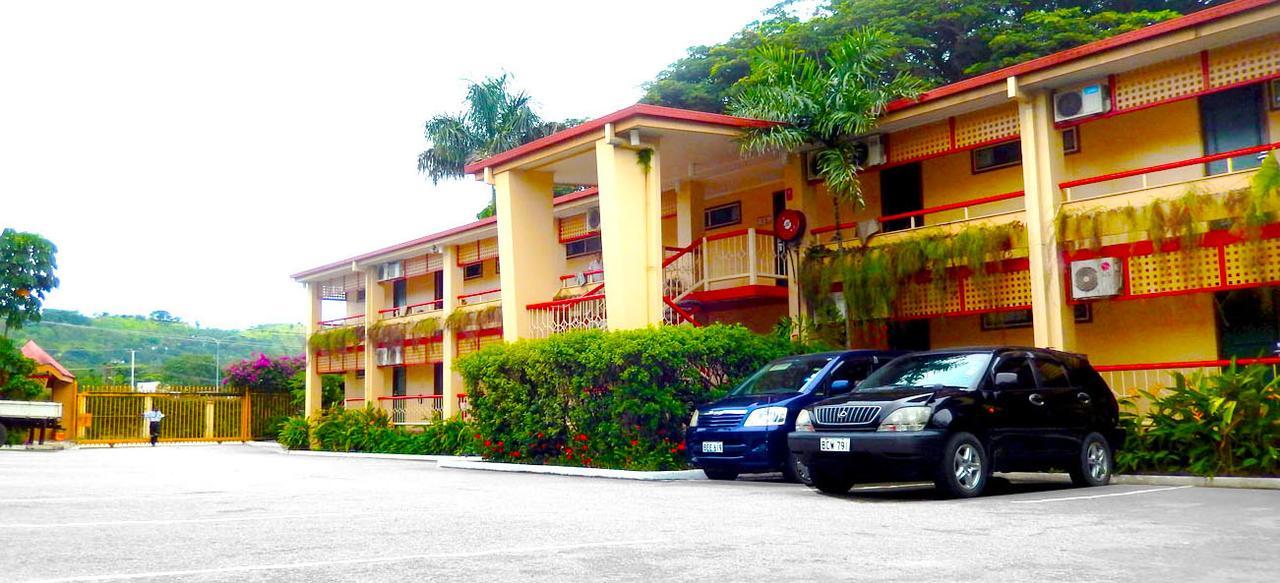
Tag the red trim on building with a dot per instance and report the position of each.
(742, 292)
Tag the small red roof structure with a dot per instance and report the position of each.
(34, 352)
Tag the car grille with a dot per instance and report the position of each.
(720, 420)
(846, 414)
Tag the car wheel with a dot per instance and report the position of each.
(720, 474)
(964, 469)
(829, 483)
(1094, 466)
(795, 470)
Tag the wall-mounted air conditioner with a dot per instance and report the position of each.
(1096, 278)
(390, 356)
(390, 270)
(593, 218)
(868, 152)
(1081, 101)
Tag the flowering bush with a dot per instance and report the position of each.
(261, 373)
(606, 399)
(370, 430)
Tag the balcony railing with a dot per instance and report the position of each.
(356, 320)
(742, 257)
(463, 407)
(583, 278)
(1167, 174)
(353, 403)
(413, 409)
(411, 309)
(480, 297)
(1126, 380)
(964, 210)
(581, 313)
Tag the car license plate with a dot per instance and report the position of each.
(713, 447)
(834, 444)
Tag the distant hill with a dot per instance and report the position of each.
(96, 348)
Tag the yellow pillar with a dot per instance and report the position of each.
(312, 403)
(375, 379)
(689, 207)
(528, 247)
(452, 287)
(802, 197)
(630, 235)
(1042, 170)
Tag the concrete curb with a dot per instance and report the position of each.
(46, 446)
(573, 471)
(437, 459)
(1152, 480)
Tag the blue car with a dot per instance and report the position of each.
(746, 432)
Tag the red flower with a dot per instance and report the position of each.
(673, 450)
(499, 444)
(634, 443)
(486, 443)
(477, 436)
(583, 448)
(586, 460)
(582, 437)
(539, 435)
(515, 454)
(681, 446)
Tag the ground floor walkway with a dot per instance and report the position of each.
(242, 513)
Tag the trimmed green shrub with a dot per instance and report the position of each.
(370, 430)
(606, 399)
(295, 433)
(1208, 424)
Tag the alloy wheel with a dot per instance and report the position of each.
(1096, 458)
(967, 466)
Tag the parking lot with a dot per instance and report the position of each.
(240, 513)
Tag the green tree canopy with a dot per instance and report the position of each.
(27, 264)
(938, 41)
(15, 374)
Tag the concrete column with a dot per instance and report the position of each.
(1042, 171)
(452, 287)
(631, 236)
(528, 247)
(313, 402)
(689, 207)
(375, 379)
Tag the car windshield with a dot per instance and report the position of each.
(787, 375)
(962, 371)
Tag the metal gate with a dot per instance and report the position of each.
(117, 417)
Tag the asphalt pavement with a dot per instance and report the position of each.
(240, 513)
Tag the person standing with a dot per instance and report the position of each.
(153, 418)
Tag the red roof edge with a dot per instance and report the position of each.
(563, 199)
(1098, 46)
(637, 110)
(34, 352)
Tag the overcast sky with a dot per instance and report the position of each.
(190, 156)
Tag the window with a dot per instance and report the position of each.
(1275, 94)
(723, 215)
(1071, 140)
(997, 156)
(1022, 318)
(1052, 374)
(1231, 120)
(399, 293)
(473, 271)
(582, 247)
(1022, 367)
(851, 370)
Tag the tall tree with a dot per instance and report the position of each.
(27, 263)
(496, 119)
(15, 374)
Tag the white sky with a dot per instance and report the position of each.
(190, 156)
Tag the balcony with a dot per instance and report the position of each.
(410, 410)
(1126, 380)
(581, 313)
(356, 320)
(481, 297)
(737, 265)
(997, 209)
(411, 310)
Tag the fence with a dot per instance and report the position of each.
(192, 415)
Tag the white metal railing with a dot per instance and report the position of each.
(581, 313)
(744, 256)
(480, 297)
(413, 409)
(411, 310)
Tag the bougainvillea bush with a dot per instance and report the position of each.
(264, 374)
(606, 399)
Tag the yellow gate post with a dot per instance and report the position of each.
(208, 418)
(146, 427)
(246, 412)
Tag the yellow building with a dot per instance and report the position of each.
(60, 383)
(675, 225)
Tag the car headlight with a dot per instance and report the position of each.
(693, 421)
(906, 419)
(766, 417)
(804, 421)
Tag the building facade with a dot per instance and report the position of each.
(1119, 173)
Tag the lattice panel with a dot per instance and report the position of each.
(1253, 262)
(1244, 62)
(423, 264)
(926, 299)
(1158, 82)
(478, 251)
(913, 143)
(998, 291)
(339, 362)
(339, 288)
(669, 208)
(417, 352)
(985, 126)
(1173, 272)
(574, 227)
(467, 345)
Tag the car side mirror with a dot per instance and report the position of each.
(840, 386)
(1006, 380)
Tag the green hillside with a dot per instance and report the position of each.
(97, 348)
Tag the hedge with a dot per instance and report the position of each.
(370, 430)
(606, 399)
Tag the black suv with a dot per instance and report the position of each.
(955, 416)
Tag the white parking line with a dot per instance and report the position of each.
(1129, 493)
(339, 562)
(139, 497)
(169, 521)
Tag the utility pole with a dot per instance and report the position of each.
(133, 380)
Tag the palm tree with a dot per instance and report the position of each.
(495, 120)
(822, 101)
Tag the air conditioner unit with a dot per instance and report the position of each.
(1096, 278)
(1081, 101)
(593, 218)
(868, 152)
(390, 356)
(390, 270)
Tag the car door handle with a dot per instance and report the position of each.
(1036, 399)
(1084, 397)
